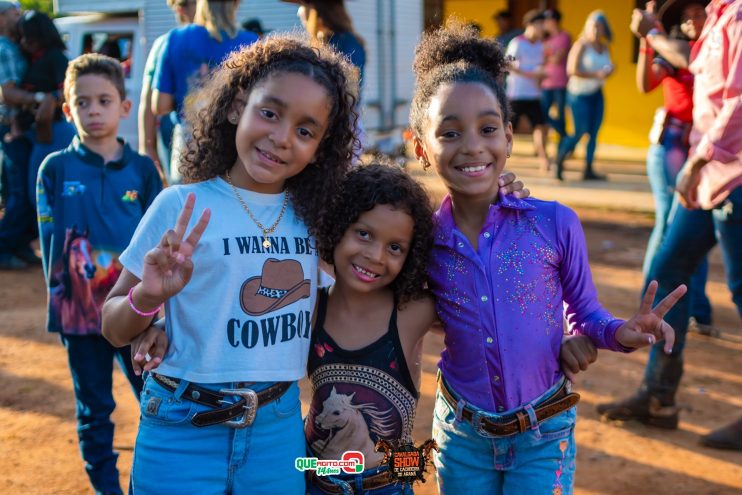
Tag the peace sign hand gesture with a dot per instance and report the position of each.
(647, 326)
(168, 267)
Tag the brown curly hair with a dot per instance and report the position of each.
(456, 54)
(365, 187)
(212, 151)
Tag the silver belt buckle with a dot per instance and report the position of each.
(250, 407)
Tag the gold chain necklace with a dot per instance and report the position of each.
(266, 231)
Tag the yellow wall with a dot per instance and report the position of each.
(479, 11)
(628, 113)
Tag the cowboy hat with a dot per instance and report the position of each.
(281, 283)
(671, 10)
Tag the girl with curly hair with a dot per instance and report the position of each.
(271, 144)
(365, 358)
(502, 270)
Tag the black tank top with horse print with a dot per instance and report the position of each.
(360, 396)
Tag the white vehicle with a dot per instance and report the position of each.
(391, 28)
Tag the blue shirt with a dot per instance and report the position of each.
(501, 305)
(186, 50)
(348, 45)
(88, 211)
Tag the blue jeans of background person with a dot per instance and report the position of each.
(352, 484)
(558, 97)
(174, 456)
(690, 236)
(165, 140)
(62, 134)
(663, 164)
(471, 461)
(587, 115)
(18, 225)
(91, 359)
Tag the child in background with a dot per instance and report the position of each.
(502, 271)
(271, 144)
(91, 197)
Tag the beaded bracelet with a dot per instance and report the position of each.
(137, 311)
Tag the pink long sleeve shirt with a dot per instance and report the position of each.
(716, 62)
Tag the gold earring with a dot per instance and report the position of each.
(508, 155)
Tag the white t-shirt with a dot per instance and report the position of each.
(528, 57)
(590, 61)
(245, 315)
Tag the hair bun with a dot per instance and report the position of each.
(458, 43)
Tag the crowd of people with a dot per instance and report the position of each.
(258, 138)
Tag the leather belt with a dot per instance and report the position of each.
(246, 407)
(378, 480)
(518, 422)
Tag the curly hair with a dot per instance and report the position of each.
(365, 187)
(212, 151)
(456, 54)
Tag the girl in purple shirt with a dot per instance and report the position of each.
(502, 271)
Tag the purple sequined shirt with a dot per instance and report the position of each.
(501, 305)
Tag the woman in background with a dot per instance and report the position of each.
(588, 66)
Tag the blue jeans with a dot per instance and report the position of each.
(555, 96)
(690, 236)
(18, 227)
(62, 134)
(352, 484)
(90, 359)
(663, 164)
(470, 461)
(587, 114)
(174, 456)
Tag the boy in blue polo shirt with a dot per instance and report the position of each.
(91, 197)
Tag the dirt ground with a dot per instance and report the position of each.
(38, 445)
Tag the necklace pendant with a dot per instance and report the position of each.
(266, 243)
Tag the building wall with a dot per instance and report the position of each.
(628, 113)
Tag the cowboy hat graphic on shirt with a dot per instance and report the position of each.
(281, 283)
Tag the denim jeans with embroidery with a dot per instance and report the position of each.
(541, 460)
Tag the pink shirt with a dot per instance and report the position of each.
(556, 73)
(716, 62)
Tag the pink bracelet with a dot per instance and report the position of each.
(137, 311)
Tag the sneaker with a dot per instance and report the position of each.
(727, 437)
(701, 328)
(643, 408)
(11, 262)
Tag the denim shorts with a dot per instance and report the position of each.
(173, 456)
(541, 460)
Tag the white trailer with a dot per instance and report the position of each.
(391, 28)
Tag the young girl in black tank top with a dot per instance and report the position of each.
(364, 358)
